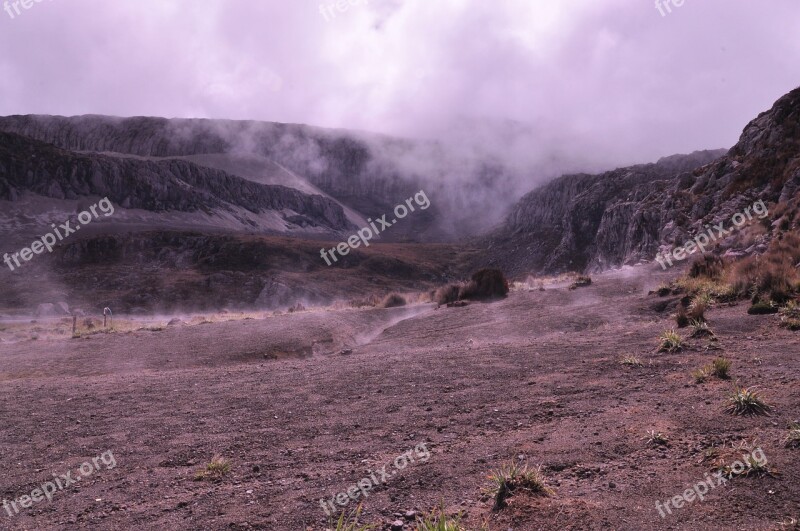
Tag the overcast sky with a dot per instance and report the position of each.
(610, 75)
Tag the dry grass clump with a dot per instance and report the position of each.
(214, 470)
(773, 275)
(670, 342)
(370, 301)
(790, 316)
(700, 329)
(707, 266)
(761, 307)
(393, 300)
(631, 361)
(447, 294)
(439, 521)
(349, 522)
(793, 439)
(581, 282)
(719, 368)
(515, 477)
(485, 284)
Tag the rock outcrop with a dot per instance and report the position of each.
(626, 216)
(157, 186)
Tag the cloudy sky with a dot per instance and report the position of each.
(613, 76)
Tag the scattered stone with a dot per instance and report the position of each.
(398, 525)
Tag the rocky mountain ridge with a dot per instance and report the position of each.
(626, 216)
(30, 166)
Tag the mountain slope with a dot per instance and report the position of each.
(624, 217)
(168, 186)
(370, 174)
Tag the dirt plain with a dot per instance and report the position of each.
(305, 405)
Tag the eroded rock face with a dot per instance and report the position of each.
(624, 217)
(157, 186)
(371, 174)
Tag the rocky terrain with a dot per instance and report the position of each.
(595, 222)
(305, 405)
(369, 174)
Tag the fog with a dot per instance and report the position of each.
(543, 86)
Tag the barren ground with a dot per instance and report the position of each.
(534, 377)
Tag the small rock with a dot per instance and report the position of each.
(398, 525)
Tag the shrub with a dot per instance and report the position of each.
(708, 266)
(447, 294)
(682, 317)
(486, 284)
(393, 300)
(697, 308)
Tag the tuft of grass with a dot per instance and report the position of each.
(720, 368)
(655, 438)
(514, 477)
(349, 522)
(793, 439)
(701, 329)
(753, 468)
(697, 308)
(439, 521)
(215, 470)
(790, 316)
(747, 402)
(670, 342)
(701, 375)
(763, 308)
(631, 361)
(790, 523)
(581, 282)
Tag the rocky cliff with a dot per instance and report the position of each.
(626, 216)
(156, 186)
(368, 173)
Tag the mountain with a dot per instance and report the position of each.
(368, 175)
(626, 216)
(167, 192)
